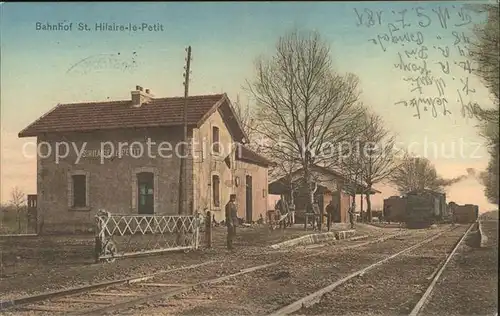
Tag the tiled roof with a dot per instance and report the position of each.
(245, 154)
(121, 114)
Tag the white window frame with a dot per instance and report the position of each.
(70, 190)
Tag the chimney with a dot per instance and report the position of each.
(139, 97)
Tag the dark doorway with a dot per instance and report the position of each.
(145, 186)
(249, 199)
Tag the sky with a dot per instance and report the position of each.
(392, 58)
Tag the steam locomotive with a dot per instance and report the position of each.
(422, 208)
(425, 208)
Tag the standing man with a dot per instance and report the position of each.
(231, 220)
(291, 207)
(451, 207)
(330, 211)
(317, 215)
(387, 214)
(351, 216)
(277, 211)
(279, 208)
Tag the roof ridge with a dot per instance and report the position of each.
(128, 100)
(96, 102)
(111, 114)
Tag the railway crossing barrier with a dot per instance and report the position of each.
(119, 235)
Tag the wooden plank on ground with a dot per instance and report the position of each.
(77, 300)
(192, 298)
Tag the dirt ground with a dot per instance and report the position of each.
(469, 285)
(390, 289)
(267, 290)
(49, 263)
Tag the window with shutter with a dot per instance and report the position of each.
(215, 139)
(216, 190)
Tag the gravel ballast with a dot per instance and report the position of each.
(267, 290)
(392, 288)
(469, 285)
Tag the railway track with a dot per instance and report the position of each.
(127, 294)
(334, 298)
(418, 308)
(271, 288)
(97, 299)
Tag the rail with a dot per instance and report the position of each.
(315, 297)
(425, 297)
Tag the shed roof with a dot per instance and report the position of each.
(324, 176)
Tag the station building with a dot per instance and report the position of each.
(123, 156)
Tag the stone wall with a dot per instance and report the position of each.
(112, 185)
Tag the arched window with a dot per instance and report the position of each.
(216, 190)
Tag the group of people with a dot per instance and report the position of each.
(333, 214)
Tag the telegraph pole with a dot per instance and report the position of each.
(183, 173)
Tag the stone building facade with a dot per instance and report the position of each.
(122, 156)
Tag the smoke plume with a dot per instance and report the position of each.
(479, 176)
(450, 182)
(471, 173)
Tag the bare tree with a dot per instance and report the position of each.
(17, 200)
(377, 155)
(485, 47)
(486, 53)
(418, 173)
(284, 170)
(415, 173)
(246, 116)
(352, 169)
(301, 100)
(489, 178)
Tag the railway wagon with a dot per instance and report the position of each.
(394, 209)
(424, 208)
(465, 214)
